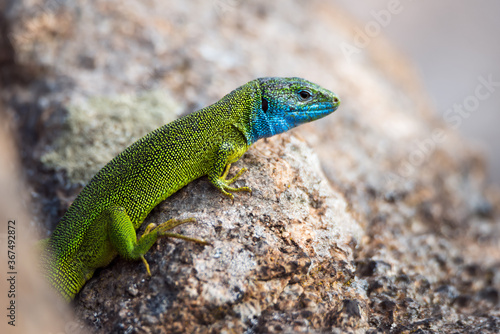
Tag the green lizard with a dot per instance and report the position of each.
(102, 221)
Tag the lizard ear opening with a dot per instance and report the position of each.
(265, 105)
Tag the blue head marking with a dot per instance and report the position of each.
(288, 102)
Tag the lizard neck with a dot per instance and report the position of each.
(254, 123)
(245, 113)
(260, 125)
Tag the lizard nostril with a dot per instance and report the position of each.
(335, 100)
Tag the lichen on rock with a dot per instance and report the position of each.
(99, 128)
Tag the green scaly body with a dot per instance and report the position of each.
(102, 221)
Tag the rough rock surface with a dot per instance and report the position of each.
(376, 219)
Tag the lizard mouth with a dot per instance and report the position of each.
(314, 112)
(319, 109)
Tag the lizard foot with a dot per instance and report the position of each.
(224, 185)
(170, 224)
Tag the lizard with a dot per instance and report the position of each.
(101, 222)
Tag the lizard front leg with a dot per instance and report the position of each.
(225, 155)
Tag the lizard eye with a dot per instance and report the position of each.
(304, 95)
(265, 105)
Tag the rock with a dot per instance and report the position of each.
(377, 218)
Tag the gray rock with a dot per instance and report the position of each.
(377, 218)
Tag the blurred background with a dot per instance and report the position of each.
(452, 43)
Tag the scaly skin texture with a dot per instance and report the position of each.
(102, 221)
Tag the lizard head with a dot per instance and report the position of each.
(288, 102)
